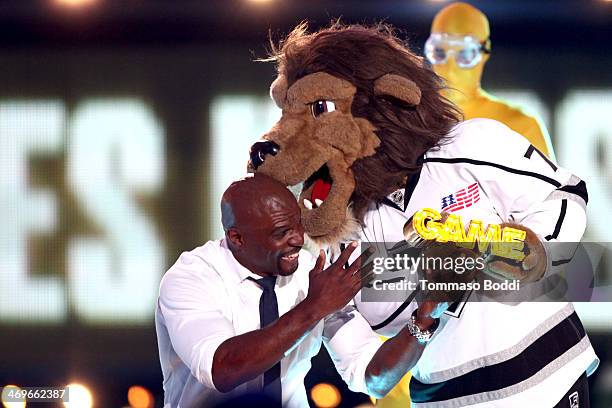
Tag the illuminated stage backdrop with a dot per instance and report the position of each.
(113, 162)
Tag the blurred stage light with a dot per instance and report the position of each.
(75, 3)
(261, 1)
(78, 396)
(5, 391)
(140, 397)
(325, 395)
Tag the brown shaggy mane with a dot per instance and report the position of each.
(360, 55)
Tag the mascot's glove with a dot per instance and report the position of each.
(442, 263)
(530, 269)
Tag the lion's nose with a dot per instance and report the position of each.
(260, 150)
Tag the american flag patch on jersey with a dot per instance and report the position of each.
(463, 198)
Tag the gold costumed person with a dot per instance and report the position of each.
(458, 48)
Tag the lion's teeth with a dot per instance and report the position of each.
(318, 202)
(307, 204)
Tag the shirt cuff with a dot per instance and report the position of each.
(202, 362)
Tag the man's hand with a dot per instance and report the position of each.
(530, 269)
(332, 288)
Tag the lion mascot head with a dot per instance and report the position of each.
(358, 111)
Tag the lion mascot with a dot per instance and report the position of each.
(367, 133)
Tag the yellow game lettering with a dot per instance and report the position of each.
(513, 240)
(425, 223)
(506, 242)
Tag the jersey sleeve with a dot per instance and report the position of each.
(351, 344)
(524, 186)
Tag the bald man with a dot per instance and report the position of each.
(245, 314)
(458, 49)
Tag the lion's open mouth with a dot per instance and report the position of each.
(324, 202)
(316, 188)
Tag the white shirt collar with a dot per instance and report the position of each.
(236, 268)
(241, 273)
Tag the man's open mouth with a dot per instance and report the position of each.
(291, 256)
(316, 188)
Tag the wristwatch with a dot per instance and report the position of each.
(422, 336)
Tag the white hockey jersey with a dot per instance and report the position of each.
(491, 354)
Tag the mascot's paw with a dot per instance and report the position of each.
(530, 269)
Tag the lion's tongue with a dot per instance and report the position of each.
(320, 190)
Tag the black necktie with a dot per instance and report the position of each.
(268, 313)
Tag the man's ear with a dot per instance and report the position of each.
(398, 87)
(234, 237)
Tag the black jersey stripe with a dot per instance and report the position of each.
(579, 189)
(534, 358)
(390, 203)
(532, 149)
(496, 165)
(555, 233)
(561, 262)
(411, 185)
(397, 312)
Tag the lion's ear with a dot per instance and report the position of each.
(398, 87)
(278, 91)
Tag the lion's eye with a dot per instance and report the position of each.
(322, 106)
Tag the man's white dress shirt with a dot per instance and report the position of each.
(206, 298)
